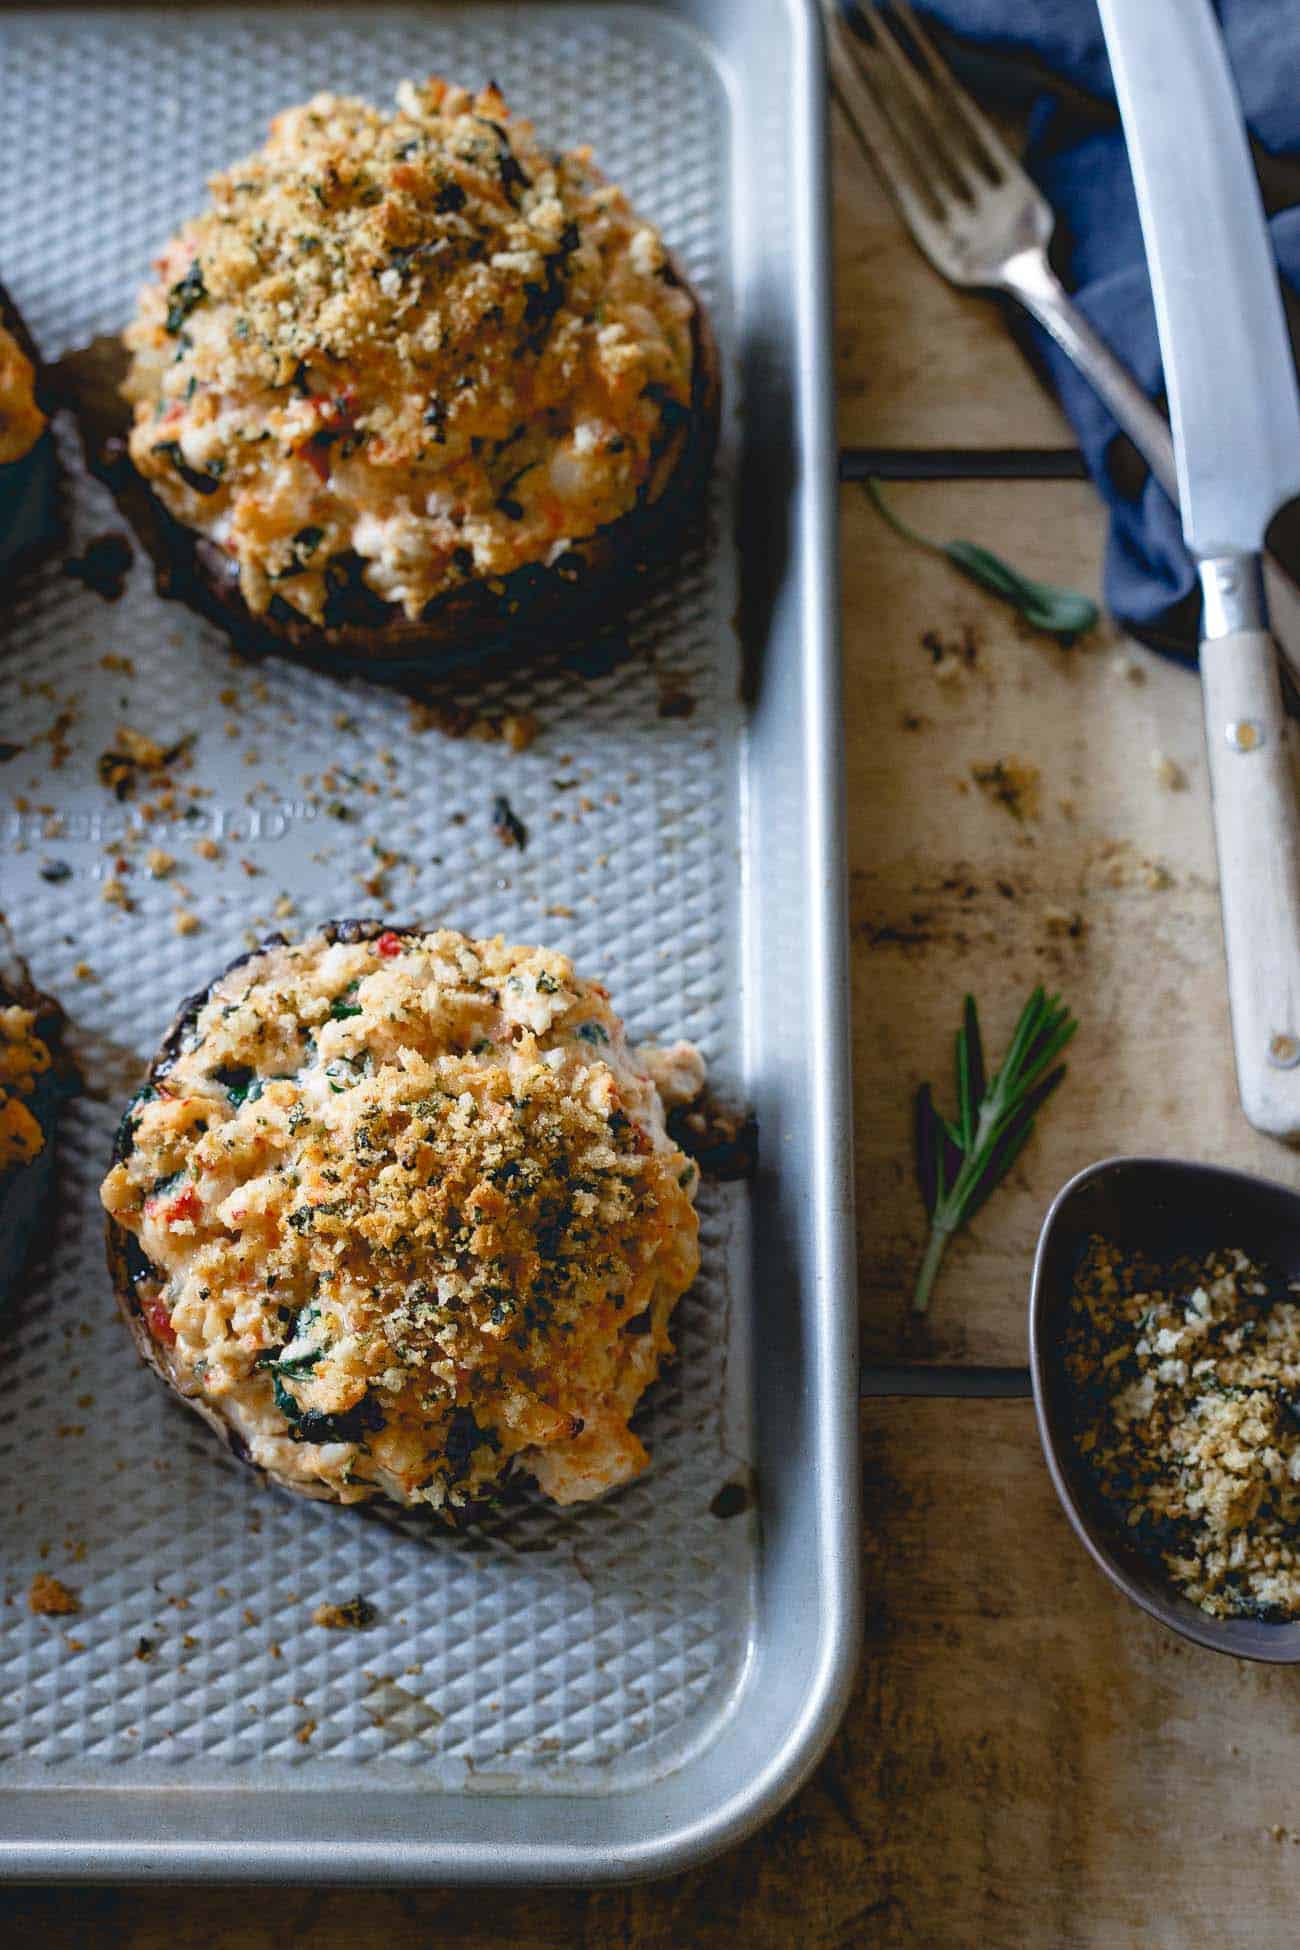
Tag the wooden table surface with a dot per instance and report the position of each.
(1026, 1760)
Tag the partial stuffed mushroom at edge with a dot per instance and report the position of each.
(29, 518)
(398, 1213)
(36, 1078)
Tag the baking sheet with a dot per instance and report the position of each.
(582, 1657)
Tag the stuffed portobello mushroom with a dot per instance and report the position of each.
(28, 467)
(411, 387)
(35, 1078)
(398, 1215)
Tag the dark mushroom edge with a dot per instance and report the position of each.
(497, 620)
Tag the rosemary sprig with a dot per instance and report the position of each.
(959, 1164)
(1062, 613)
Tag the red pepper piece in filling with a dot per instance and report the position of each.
(337, 418)
(159, 1320)
(187, 1205)
(316, 453)
(388, 943)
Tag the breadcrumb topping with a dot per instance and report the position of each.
(1188, 1380)
(417, 340)
(21, 421)
(23, 1058)
(410, 1217)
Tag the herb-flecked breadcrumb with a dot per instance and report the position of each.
(1187, 1380)
(406, 1216)
(419, 339)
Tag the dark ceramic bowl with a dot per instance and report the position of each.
(1157, 1206)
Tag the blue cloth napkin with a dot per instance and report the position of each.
(1052, 53)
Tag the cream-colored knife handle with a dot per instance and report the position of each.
(1257, 829)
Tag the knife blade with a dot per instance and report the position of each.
(1229, 372)
(1235, 408)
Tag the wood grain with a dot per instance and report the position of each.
(1106, 889)
(1027, 1761)
(919, 364)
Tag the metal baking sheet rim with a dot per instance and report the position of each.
(385, 1836)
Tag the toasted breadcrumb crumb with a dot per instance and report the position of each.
(354, 1616)
(49, 1598)
(1187, 1380)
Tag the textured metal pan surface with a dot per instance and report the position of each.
(549, 1693)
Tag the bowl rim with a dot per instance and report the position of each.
(1238, 1638)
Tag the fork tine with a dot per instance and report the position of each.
(901, 103)
(923, 105)
(908, 184)
(994, 151)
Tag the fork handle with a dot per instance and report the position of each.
(1029, 278)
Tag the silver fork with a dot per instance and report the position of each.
(964, 197)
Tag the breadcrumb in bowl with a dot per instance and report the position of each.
(398, 1215)
(1158, 1208)
(413, 387)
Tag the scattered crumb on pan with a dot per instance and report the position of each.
(50, 1598)
(103, 565)
(675, 700)
(722, 1140)
(134, 755)
(443, 712)
(507, 825)
(732, 1500)
(353, 1616)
